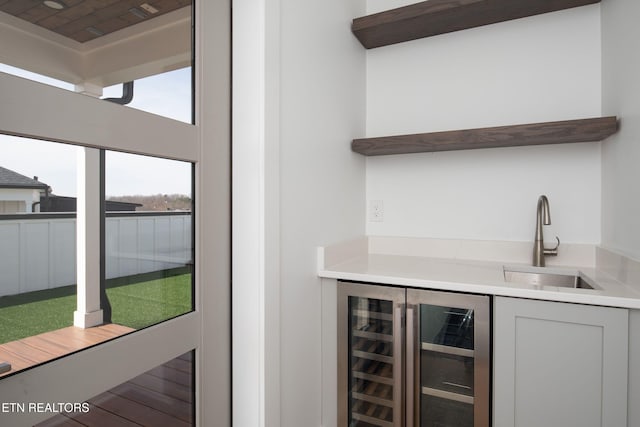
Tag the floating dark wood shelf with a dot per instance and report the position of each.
(584, 130)
(432, 17)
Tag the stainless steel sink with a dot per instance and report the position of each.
(539, 278)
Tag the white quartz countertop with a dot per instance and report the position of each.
(470, 276)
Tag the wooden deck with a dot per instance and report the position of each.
(31, 351)
(160, 397)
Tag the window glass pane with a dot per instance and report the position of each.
(37, 248)
(163, 396)
(147, 250)
(148, 239)
(98, 48)
(167, 94)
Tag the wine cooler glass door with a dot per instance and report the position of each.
(371, 357)
(448, 359)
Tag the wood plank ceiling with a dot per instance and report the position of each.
(84, 20)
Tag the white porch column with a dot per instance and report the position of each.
(88, 312)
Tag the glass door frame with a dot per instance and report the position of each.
(480, 304)
(387, 293)
(39, 111)
(407, 347)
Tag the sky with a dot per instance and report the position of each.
(168, 95)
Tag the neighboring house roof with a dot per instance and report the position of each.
(11, 179)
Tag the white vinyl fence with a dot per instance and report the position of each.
(37, 251)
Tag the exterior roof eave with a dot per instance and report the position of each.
(25, 186)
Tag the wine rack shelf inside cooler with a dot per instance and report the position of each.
(372, 363)
(373, 315)
(373, 392)
(447, 349)
(372, 403)
(447, 395)
(372, 350)
(376, 378)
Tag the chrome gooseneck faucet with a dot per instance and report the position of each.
(542, 217)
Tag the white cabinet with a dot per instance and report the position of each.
(559, 364)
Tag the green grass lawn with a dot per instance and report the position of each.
(135, 302)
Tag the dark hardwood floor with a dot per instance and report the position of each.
(161, 397)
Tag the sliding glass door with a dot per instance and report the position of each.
(153, 257)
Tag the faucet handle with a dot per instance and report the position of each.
(553, 251)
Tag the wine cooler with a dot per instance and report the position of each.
(412, 358)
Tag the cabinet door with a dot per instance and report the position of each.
(448, 345)
(558, 364)
(370, 343)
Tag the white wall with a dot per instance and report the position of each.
(321, 180)
(620, 174)
(621, 96)
(299, 92)
(375, 6)
(537, 69)
(248, 210)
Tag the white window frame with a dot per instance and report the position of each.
(100, 124)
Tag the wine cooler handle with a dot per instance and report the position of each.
(410, 366)
(397, 365)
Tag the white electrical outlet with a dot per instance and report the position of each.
(376, 210)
